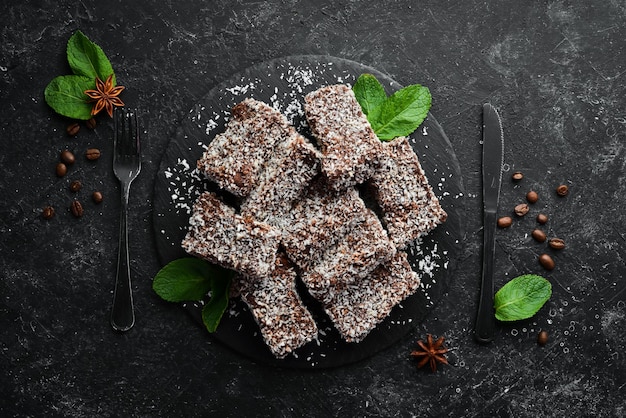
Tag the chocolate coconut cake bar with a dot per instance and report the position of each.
(409, 207)
(350, 147)
(219, 235)
(235, 158)
(354, 257)
(295, 164)
(284, 321)
(319, 220)
(357, 308)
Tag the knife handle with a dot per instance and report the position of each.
(485, 320)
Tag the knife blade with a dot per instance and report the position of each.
(492, 161)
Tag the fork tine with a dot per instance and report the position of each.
(134, 131)
(118, 133)
(126, 133)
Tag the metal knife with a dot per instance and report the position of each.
(493, 157)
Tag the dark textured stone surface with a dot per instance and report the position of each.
(554, 69)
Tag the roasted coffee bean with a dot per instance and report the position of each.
(72, 129)
(521, 209)
(532, 196)
(542, 218)
(505, 222)
(90, 123)
(517, 176)
(77, 209)
(546, 261)
(48, 212)
(542, 338)
(562, 190)
(556, 243)
(67, 157)
(97, 197)
(92, 154)
(61, 169)
(539, 235)
(75, 186)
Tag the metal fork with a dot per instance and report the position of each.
(126, 166)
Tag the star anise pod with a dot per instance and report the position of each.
(105, 96)
(430, 352)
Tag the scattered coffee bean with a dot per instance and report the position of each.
(77, 209)
(542, 338)
(75, 186)
(90, 123)
(546, 261)
(539, 235)
(562, 190)
(542, 218)
(505, 222)
(48, 212)
(72, 129)
(521, 209)
(517, 176)
(97, 197)
(67, 157)
(92, 154)
(61, 169)
(556, 243)
(532, 196)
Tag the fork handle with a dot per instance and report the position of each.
(123, 313)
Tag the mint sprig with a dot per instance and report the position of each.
(191, 279)
(65, 94)
(370, 94)
(392, 116)
(87, 59)
(521, 297)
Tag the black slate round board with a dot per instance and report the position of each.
(283, 83)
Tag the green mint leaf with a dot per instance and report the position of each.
(87, 59)
(521, 297)
(370, 94)
(185, 279)
(190, 279)
(397, 115)
(215, 308)
(402, 112)
(65, 95)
